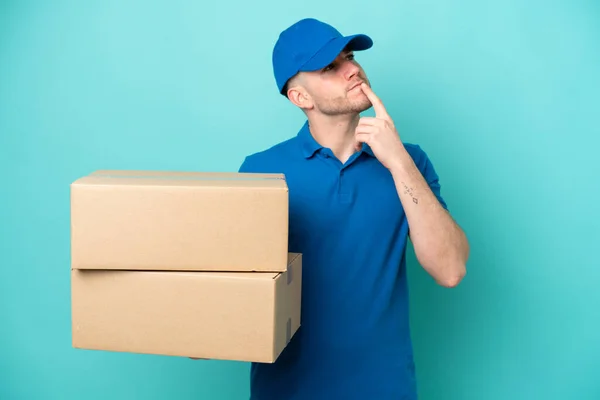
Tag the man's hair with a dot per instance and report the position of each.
(289, 82)
(284, 91)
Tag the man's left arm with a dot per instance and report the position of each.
(440, 244)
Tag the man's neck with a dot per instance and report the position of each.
(336, 134)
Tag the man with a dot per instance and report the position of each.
(356, 194)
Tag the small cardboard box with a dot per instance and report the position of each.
(240, 316)
(187, 221)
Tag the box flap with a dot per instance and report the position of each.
(175, 178)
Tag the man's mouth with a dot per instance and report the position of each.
(357, 84)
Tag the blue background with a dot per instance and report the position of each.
(502, 95)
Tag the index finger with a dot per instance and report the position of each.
(380, 110)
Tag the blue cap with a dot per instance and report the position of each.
(309, 45)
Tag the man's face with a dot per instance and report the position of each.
(334, 89)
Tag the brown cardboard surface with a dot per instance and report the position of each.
(194, 221)
(241, 316)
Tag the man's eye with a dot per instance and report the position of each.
(329, 67)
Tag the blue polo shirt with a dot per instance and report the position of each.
(349, 224)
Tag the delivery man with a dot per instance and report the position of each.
(356, 194)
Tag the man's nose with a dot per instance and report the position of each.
(350, 69)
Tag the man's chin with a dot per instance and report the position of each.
(361, 106)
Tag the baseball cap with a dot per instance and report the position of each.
(309, 45)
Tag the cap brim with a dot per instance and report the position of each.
(331, 50)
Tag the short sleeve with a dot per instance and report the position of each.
(259, 163)
(429, 173)
(248, 166)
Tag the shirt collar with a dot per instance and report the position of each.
(367, 149)
(310, 146)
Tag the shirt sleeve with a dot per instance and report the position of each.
(248, 166)
(429, 173)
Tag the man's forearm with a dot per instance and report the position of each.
(440, 244)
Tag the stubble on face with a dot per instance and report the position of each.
(352, 102)
(343, 100)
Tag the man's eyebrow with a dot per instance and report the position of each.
(344, 52)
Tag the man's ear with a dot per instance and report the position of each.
(300, 97)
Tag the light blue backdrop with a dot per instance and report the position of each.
(503, 95)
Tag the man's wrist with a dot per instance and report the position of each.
(403, 165)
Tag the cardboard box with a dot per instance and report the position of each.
(241, 316)
(153, 220)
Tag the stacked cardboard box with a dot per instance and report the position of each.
(183, 263)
